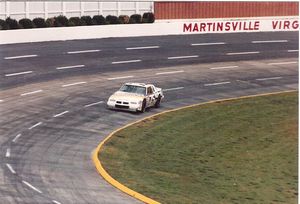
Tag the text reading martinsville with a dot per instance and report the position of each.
(224, 26)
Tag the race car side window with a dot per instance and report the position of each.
(153, 88)
(149, 90)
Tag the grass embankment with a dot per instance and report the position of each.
(241, 151)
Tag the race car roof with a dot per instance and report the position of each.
(137, 84)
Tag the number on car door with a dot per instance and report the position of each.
(150, 96)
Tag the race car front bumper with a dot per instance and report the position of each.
(119, 105)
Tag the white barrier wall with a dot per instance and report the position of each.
(200, 26)
(46, 9)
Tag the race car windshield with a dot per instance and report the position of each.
(134, 89)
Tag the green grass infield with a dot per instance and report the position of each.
(238, 151)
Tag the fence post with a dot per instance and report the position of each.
(81, 8)
(63, 5)
(46, 9)
(7, 9)
(118, 8)
(27, 9)
(101, 8)
(152, 6)
(136, 7)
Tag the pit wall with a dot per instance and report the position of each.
(161, 27)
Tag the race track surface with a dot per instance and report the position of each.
(52, 100)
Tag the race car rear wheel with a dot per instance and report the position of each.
(157, 103)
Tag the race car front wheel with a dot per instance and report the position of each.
(143, 109)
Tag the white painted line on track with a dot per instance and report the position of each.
(183, 57)
(18, 73)
(56, 202)
(204, 44)
(11, 169)
(173, 89)
(269, 41)
(126, 62)
(1, 101)
(7, 152)
(93, 104)
(228, 67)
(171, 72)
(32, 92)
(82, 51)
(71, 67)
(280, 63)
(35, 125)
(60, 114)
(142, 48)
(18, 57)
(32, 187)
(74, 84)
(218, 83)
(242, 53)
(293, 50)
(16, 138)
(122, 77)
(270, 78)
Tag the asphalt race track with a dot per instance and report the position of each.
(53, 95)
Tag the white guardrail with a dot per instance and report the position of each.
(160, 27)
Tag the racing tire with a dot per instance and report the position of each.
(143, 109)
(157, 103)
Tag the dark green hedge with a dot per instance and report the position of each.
(39, 23)
(135, 18)
(112, 19)
(99, 20)
(76, 21)
(63, 21)
(148, 17)
(26, 23)
(12, 23)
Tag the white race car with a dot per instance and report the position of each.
(136, 97)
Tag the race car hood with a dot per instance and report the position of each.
(125, 96)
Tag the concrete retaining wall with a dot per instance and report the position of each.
(178, 27)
